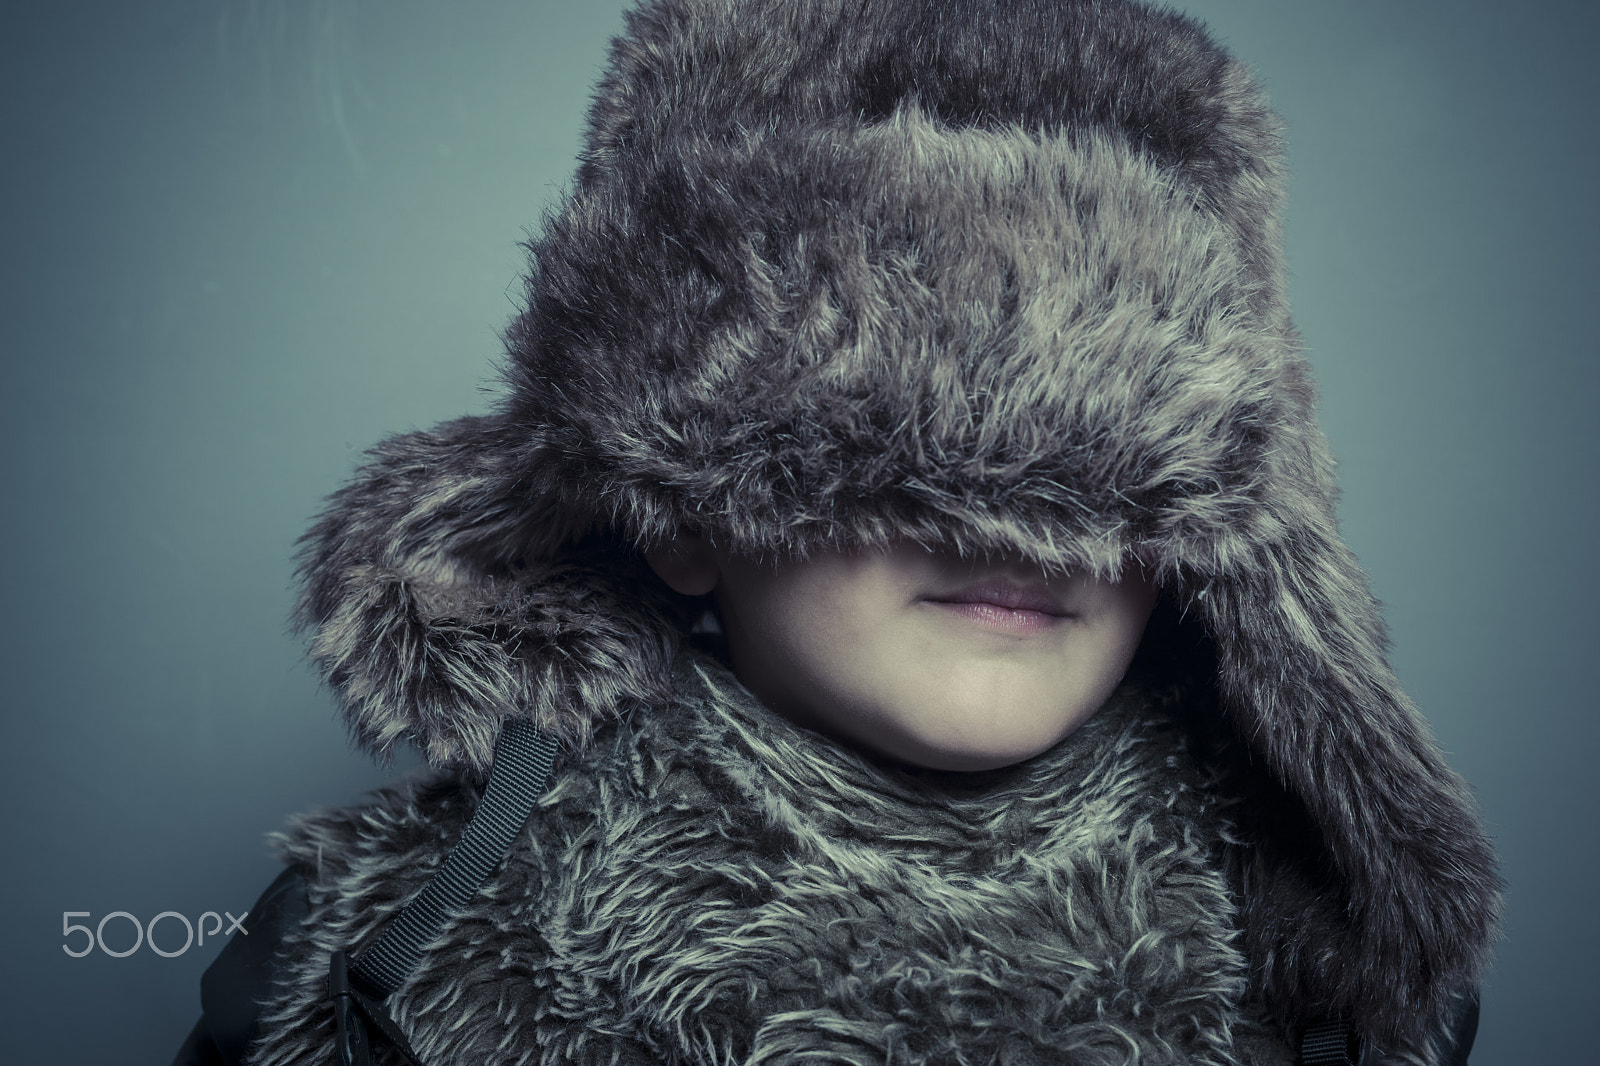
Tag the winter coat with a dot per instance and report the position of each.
(711, 883)
(995, 277)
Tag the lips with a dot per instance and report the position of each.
(1002, 605)
(1006, 595)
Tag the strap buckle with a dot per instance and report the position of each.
(352, 1009)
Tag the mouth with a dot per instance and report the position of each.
(1002, 605)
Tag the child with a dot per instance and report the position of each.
(925, 349)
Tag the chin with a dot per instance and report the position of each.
(969, 734)
(967, 761)
(943, 752)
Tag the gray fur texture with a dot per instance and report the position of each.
(1002, 276)
(710, 884)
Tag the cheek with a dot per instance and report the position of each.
(1092, 665)
(1126, 611)
(783, 629)
(828, 638)
(1098, 657)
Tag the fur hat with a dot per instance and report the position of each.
(998, 275)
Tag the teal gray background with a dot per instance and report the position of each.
(241, 241)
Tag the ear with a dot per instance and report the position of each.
(686, 563)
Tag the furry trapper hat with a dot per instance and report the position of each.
(999, 275)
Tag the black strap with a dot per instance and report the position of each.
(522, 760)
(1337, 1044)
(1330, 1044)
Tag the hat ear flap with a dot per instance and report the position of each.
(1386, 883)
(447, 590)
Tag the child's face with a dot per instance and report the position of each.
(922, 656)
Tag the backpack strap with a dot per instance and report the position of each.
(522, 760)
(1336, 1044)
(1330, 1044)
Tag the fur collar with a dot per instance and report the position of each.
(711, 884)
